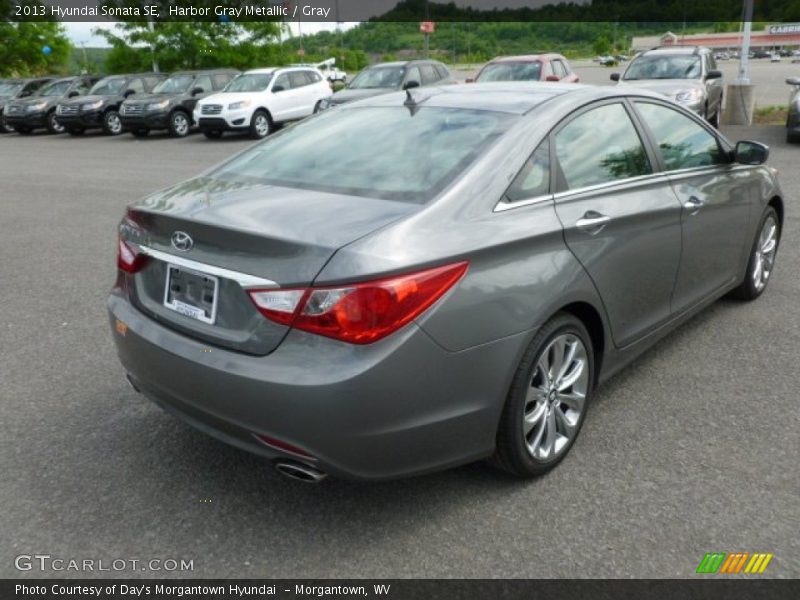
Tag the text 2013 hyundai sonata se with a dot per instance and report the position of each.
(424, 279)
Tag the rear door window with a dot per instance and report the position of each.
(298, 79)
(414, 75)
(429, 74)
(587, 158)
(203, 81)
(137, 85)
(221, 80)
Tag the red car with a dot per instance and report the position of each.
(533, 67)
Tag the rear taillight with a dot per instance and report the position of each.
(360, 313)
(129, 259)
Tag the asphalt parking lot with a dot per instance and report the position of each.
(692, 449)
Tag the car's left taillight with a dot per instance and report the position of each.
(363, 312)
(129, 259)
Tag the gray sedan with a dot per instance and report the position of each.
(428, 278)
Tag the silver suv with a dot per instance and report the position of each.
(687, 74)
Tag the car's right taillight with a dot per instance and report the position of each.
(129, 259)
(363, 312)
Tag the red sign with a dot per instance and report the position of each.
(427, 27)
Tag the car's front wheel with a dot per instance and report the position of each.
(53, 126)
(112, 124)
(547, 402)
(762, 257)
(179, 124)
(260, 125)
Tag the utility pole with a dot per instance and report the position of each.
(740, 98)
(744, 59)
(427, 35)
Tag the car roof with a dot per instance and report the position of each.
(676, 50)
(509, 97)
(203, 72)
(262, 71)
(527, 57)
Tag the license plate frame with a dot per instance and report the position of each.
(185, 306)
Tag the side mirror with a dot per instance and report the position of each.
(197, 90)
(128, 92)
(615, 77)
(751, 153)
(277, 88)
(793, 81)
(714, 75)
(73, 94)
(552, 78)
(410, 84)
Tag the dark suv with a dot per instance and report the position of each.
(389, 77)
(100, 108)
(39, 110)
(11, 89)
(172, 102)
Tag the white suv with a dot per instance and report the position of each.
(257, 100)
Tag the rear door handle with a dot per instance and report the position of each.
(592, 222)
(693, 205)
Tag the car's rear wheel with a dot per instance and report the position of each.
(179, 124)
(76, 131)
(112, 124)
(762, 257)
(140, 133)
(261, 125)
(547, 402)
(53, 126)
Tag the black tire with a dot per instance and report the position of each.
(4, 127)
(111, 123)
(261, 125)
(715, 119)
(24, 130)
(179, 124)
(213, 134)
(140, 133)
(792, 138)
(511, 452)
(76, 131)
(317, 105)
(53, 126)
(748, 290)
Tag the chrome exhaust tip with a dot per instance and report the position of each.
(300, 472)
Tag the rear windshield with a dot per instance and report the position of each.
(530, 71)
(253, 82)
(108, 87)
(664, 67)
(391, 153)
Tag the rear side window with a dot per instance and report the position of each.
(684, 143)
(534, 178)
(442, 70)
(560, 69)
(600, 146)
(313, 77)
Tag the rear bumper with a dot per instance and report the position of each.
(399, 407)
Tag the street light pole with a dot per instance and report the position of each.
(744, 66)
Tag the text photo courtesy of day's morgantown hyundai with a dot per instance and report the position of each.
(321, 298)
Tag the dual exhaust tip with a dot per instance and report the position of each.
(300, 472)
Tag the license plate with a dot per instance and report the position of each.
(191, 293)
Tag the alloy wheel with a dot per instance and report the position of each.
(180, 124)
(556, 397)
(113, 123)
(765, 250)
(261, 125)
(55, 126)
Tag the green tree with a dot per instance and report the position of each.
(31, 47)
(601, 46)
(176, 44)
